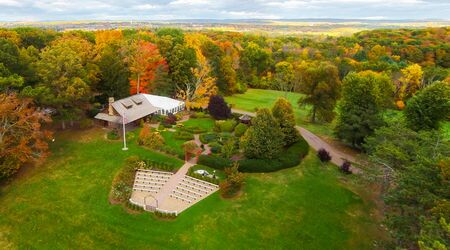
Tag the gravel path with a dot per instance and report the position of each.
(337, 156)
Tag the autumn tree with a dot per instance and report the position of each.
(22, 138)
(429, 107)
(68, 73)
(197, 92)
(321, 85)
(282, 111)
(284, 76)
(264, 139)
(359, 110)
(410, 82)
(233, 182)
(254, 61)
(143, 59)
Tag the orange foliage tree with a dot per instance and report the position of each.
(22, 138)
(143, 59)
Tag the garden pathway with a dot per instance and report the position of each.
(337, 156)
(173, 182)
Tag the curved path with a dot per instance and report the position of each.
(337, 156)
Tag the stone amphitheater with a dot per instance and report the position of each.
(169, 192)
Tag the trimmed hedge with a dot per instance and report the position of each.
(183, 135)
(208, 137)
(240, 129)
(193, 129)
(289, 158)
(215, 147)
(214, 161)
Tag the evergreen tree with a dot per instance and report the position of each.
(429, 107)
(263, 140)
(282, 111)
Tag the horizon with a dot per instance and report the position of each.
(171, 10)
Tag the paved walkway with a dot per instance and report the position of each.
(173, 182)
(337, 156)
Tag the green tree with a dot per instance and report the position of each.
(263, 140)
(67, 73)
(114, 74)
(284, 76)
(415, 184)
(429, 107)
(282, 111)
(321, 85)
(359, 111)
(254, 62)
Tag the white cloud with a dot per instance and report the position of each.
(249, 15)
(189, 2)
(146, 6)
(10, 3)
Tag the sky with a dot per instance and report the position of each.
(61, 10)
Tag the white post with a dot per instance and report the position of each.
(124, 134)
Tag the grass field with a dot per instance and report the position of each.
(64, 204)
(262, 98)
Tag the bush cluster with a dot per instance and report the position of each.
(240, 129)
(134, 207)
(226, 126)
(345, 167)
(289, 158)
(215, 147)
(214, 161)
(208, 137)
(183, 135)
(165, 215)
(193, 129)
(199, 115)
(323, 155)
(156, 165)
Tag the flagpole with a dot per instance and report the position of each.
(124, 134)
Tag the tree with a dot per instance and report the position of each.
(410, 81)
(254, 62)
(263, 140)
(233, 183)
(429, 107)
(22, 138)
(218, 108)
(143, 59)
(67, 73)
(114, 74)
(284, 76)
(359, 111)
(197, 92)
(282, 111)
(321, 85)
(153, 140)
(417, 200)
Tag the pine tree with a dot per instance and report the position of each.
(264, 140)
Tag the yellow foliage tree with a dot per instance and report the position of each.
(105, 37)
(410, 81)
(196, 93)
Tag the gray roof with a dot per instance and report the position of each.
(139, 106)
(109, 118)
(134, 108)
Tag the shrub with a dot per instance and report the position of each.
(291, 157)
(113, 135)
(193, 129)
(183, 135)
(218, 108)
(345, 167)
(240, 129)
(233, 183)
(123, 181)
(208, 137)
(215, 147)
(214, 161)
(199, 115)
(150, 139)
(323, 155)
(226, 126)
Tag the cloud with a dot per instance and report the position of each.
(19, 10)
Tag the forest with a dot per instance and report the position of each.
(386, 93)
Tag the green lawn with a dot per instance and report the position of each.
(261, 98)
(204, 123)
(64, 204)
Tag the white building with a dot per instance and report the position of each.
(138, 106)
